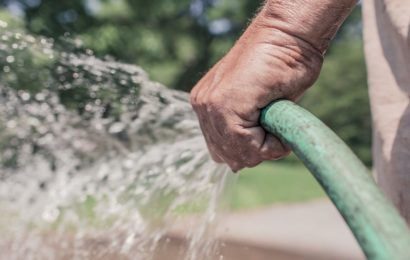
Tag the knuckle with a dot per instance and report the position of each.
(193, 99)
(235, 168)
(248, 159)
(252, 163)
(214, 101)
(242, 157)
(280, 154)
(287, 150)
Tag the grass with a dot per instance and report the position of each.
(274, 182)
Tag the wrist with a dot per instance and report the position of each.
(315, 22)
(295, 51)
(290, 64)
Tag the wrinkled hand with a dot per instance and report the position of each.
(265, 64)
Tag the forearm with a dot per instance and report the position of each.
(314, 21)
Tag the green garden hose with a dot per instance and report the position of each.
(379, 229)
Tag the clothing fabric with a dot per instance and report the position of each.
(387, 50)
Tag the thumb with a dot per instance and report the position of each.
(273, 149)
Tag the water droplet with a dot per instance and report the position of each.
(116, 127)
(10, 59)
(11, 124)
(88, 107)
(3, 24)
(40, 97)
(50, 214)
(128, 164)
(24, 95)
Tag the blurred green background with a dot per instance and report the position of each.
(177, 41)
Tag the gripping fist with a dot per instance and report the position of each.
(264, 65)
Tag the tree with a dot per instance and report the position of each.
(175, 41)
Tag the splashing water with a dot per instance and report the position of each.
(96, 160)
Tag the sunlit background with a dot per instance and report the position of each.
(177, 41)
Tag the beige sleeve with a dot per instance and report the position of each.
(387, 49)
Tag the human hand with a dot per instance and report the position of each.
(267, 63)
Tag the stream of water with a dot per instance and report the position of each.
(96, 160)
